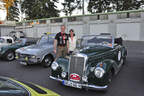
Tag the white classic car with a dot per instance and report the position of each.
(6, 40)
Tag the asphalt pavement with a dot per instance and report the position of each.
(128, 82)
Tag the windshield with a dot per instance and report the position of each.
(20, 41)
(43, 40)
(9, 87)
(92, 40)
(2, 40)
(49, 39)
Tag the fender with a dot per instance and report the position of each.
(109, 64)
(52, 53)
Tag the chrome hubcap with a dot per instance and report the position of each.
(47, 61)
(10, 56)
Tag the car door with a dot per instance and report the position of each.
(118, 54)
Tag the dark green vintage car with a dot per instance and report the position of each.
(8, 52)
(92, 65)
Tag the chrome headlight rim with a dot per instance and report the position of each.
(54, 65)
(99, 72)
(63, 74)
(33, 57)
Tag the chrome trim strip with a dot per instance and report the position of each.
(84, 85)
(97, 87)
(51, 77)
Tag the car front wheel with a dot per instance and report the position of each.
(10, 56)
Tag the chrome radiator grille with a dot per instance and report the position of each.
(23, 55)
(76, 65)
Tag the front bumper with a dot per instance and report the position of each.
(84, 85)
(26, 61)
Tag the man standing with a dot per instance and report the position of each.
(61, 43)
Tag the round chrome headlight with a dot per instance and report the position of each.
(99, 72)
(63, 74)
(54, 65)
(33, 56)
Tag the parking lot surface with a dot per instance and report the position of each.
(128, 82)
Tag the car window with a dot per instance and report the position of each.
(44, 39)
(92, 40)
(9, 40)
(21, 41)
(12, 33)
(10, 87)
(2, 40)
(51, 38)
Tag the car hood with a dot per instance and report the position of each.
(95, 50)
(3, 44)
(34, 89)
(33, 49)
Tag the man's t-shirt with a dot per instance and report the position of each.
(61, 39)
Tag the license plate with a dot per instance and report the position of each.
(23, 63)
(72, 84)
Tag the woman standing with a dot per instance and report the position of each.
(72, 41)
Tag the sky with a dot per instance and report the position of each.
(76, 12)
(59, 6)
(2, 13)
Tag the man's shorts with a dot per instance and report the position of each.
(61, 51)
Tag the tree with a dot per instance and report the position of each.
(37, 9)
(122, 5)
(13, 12)
(98, 6)
(113, 5)
(70, 6)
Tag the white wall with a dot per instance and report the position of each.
(129, 31)
(96, 29)
(5, 30)
(78, 29)
(130, 28)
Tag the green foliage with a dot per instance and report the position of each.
(37, 9)
(70, 6)
(13, 12)
(113, 5)
(99, 6)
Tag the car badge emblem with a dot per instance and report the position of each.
(74, 77)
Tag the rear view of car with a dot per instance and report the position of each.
(17, 34)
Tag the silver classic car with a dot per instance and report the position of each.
(42, 52)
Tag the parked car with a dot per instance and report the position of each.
(17, 34)
(8, 52)
(6, 40)
(92, 65)
(12, 87)
(42, 52)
